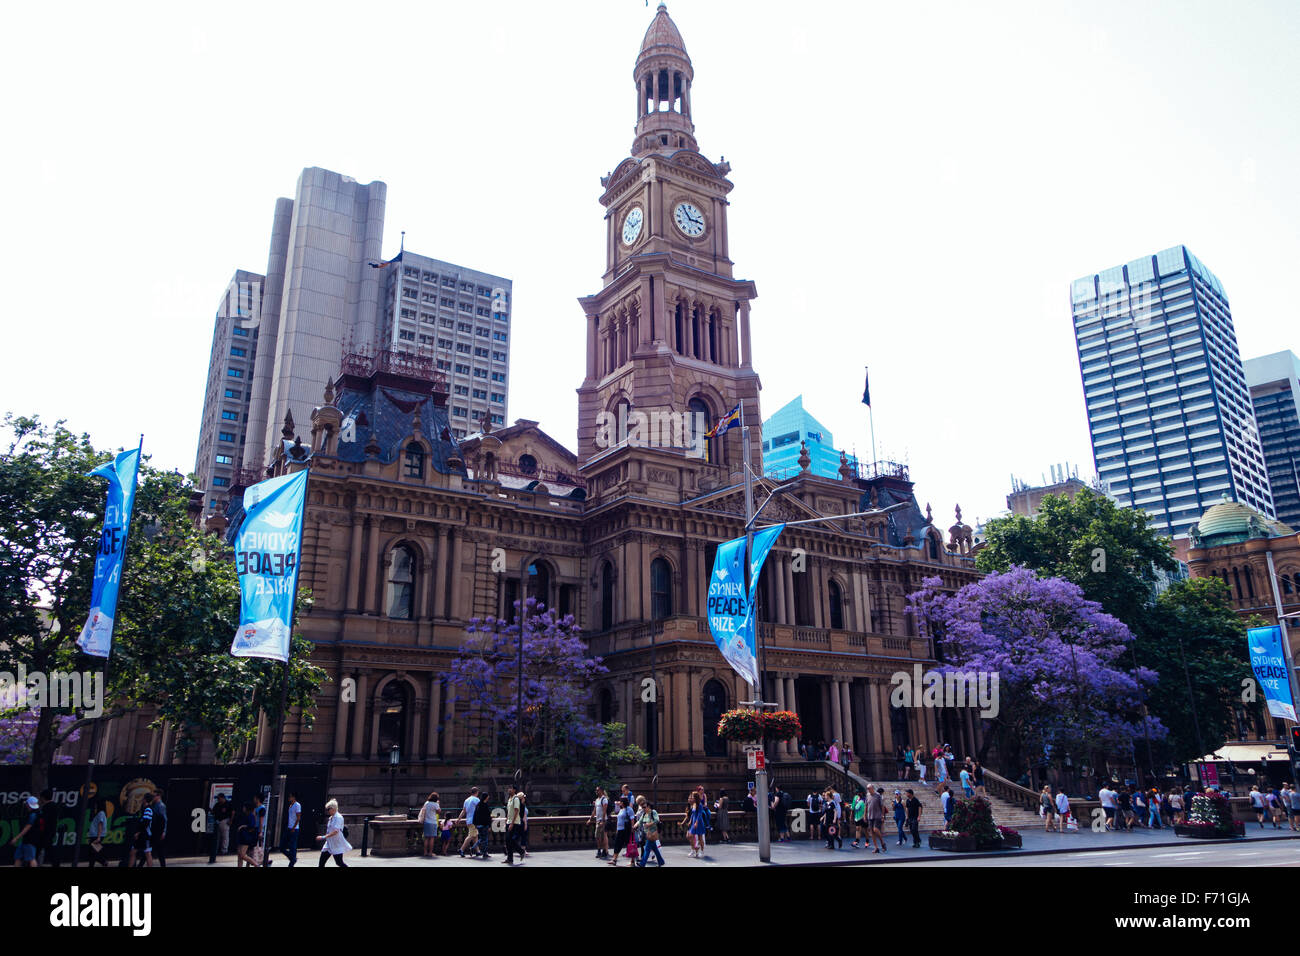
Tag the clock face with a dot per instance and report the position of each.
(632, 225)
(689, 219)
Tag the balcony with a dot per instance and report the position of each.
(637, 635)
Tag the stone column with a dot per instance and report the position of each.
(818, 592)
(782, 747)
(435, 714)
(592, 346)
(886, 726)
(372, 600)
(457, 584)
(359, 717)
(847, 717)
(787, 575)
(354, 564)
(341, 718)
(877, 737)
(745, 353)
(777, 577)
(837, 711)
(438, 593)
(792, 705)
(632, 574)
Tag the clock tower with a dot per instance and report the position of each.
(668, 334)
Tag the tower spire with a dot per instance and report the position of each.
(663, 77)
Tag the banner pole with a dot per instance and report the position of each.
(273, 804)
(1286, 640)
(83, 803)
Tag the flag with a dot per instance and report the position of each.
(380, 265)
(731, 606)
(97, 636)
(1268, 662)
(729, 420)
(866, 389)
(267, 552)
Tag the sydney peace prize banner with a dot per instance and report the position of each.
(731, 607)
(97, 635)
(1269, 664)
(267, 550)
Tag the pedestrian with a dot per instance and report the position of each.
(967, 783)
(1047, 808)
(750, 803)
(900, 814)
(600, 820)
(24, 843)
(846, 755)
(722, 808)
(1175, 804)
(98, 830)
(483, 822)
(245, 836)
(979, 780)
(703, 801)
(623, 826)
(920, 766)
(290, 848)
(523, 836)
(914, 818)
(648, 824)
(1275, 808)
(221, 813)
(840, 817)
(945, 802)
(1062, 809)
(831, 819)
(858, 811)
(1154, 806)
(833, 755)
(159, 828)
(900, 761)
(909, 761)
(814, 816)
(47, 850)
(428, 817)
(334, 843)
(1128, 817)
(876, 818)
(697, 822)
(1257, 803)
(1140, 807)
(780, 809)
(941, 757)
(143, 848)
(448, 821)
(468, 810)
(1106, 797)
(514, 826)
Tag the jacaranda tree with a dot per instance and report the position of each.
(551, 713)
(1063, 687)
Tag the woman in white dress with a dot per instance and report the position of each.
(334, 843)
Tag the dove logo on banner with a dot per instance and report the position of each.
(1269, 664)
(731, 606)
(267, 551)
(97, 636)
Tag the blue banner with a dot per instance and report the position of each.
(267, 551)
(1268, 662)
(97, 635)
(731, 606)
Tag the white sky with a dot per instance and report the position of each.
(916, 186)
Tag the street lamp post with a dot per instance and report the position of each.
(394, 758)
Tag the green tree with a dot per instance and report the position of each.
(177, 610)
(1194, 620)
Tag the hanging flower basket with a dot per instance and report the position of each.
(753, 725)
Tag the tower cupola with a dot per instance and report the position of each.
(663, 77)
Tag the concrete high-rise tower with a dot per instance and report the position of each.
(1169, 412)
(1274, 382)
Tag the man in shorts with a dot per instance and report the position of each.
(1106, 796)
(875, 818)
(24, 843)
(467, 814)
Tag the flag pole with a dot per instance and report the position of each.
(273, 805)
(871, 417)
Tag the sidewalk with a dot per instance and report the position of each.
(799, 852)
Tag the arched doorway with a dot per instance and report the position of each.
(714, 704)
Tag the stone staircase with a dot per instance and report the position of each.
(1005, 813)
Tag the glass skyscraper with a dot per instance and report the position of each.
(1169, 412)
(783, 432)
(1274, 382)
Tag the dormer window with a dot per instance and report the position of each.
(413, 464)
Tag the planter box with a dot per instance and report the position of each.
(1011, 842)
(1200, 833)
(955, 844)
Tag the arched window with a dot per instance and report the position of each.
(528, 464)
(413, 464)
(392, 708)
(803, 607)
(700, 414)
(714, 704)
(934, 548)
(661, 589)
(606, 596)
(836, 598)
(539, 584)
(401, 583)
